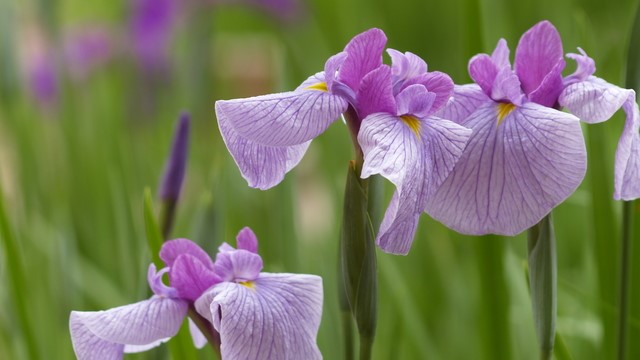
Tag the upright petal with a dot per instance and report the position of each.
(277, 317)
(500, 55)
(436, 82)
(262, 166)
(415, 100)
(239, 265)
(284, 119)
(376, 93)
(511, 175)
(104, 334)
(173, 248)
(537, 55)
(247, 240)
(405, 66)
(365, 54)
(550, 88)
(190, 277)
(483, 71)
(331, 67)
(506, 87)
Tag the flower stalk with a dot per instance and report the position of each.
(543, 278)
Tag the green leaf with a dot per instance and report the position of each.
(154, 238)
(543, 281)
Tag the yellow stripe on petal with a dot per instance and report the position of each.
(321, 86)
(250, 284)
(504, 109)
(413, 123)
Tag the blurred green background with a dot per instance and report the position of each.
(73, 168)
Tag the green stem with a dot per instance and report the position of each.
(543, 279)
(623, 300)
(366, 345)
(213, 337)
(347, 330)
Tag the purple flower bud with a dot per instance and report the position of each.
(177, 162)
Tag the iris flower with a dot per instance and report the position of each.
(257, 315)
(525, 156)
(391, 115)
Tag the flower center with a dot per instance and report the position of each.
(250, 284)
(321, 86)
(504, 109)
(413, 123)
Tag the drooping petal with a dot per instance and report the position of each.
(275, 317)
(262, 166)
(436, 82)
(172, 249)
(199, 340)
(511, 175)
(537, 54)
(390, 146)
(239, 265)
(284, 119)
(416, 158)
(376, 93)
(627, 165)
(365, 55)
(415, 100)
(247, 240)
(104, 334)
(593, 100)
(465, 100)
(190, 277)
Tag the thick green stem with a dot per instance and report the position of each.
(543, 275)
(623, 300)
(213, 337)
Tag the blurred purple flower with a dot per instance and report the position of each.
(525, 156)
(43, 79)
(177, 162)
(392, 113)
(283, 311)
(86, 49)
(152, 25)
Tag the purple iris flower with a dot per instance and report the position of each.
(43, 79)
(257, 315)
(152, 24)
(525, 156)
(392, 116)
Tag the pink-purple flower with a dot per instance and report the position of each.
(257, 315)
(391, 110)
(525, 156)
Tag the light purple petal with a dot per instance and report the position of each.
(284, 119)
(276, 317)
(593, 100)
(262, 166)
(627, 165)
(239, 265)
(365, 55)
(417, 160)
(190, 277)
(104, 334)
(376, 93)
(436, 82)
(465, 100)
(155, 282)
(331, 67)
(483, 71)
(247, 240)
(511, 175)
(415, 100)
(537, 54)
(585, 68)
(199, 340)
(405, 66)
(506, 87)
(500, 55)
(172, 249)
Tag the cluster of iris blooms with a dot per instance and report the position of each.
(493, 157)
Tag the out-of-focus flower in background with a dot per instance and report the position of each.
(152, 24)
(86, 49)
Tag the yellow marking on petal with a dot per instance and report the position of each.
(504, 109)
(250, 284)
(321, 86)
(413, 123)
